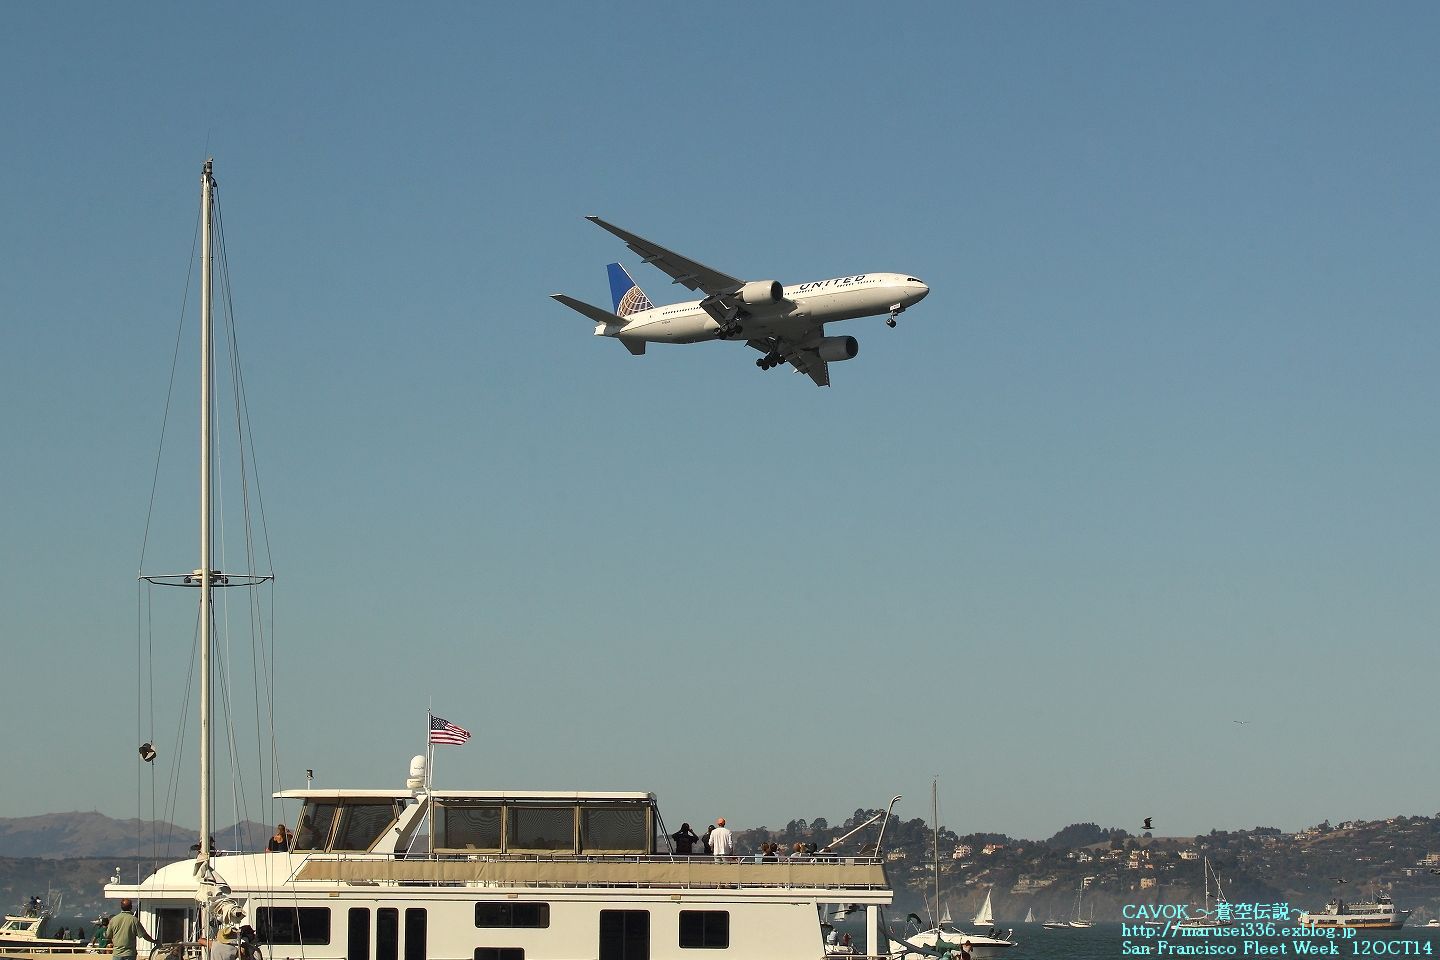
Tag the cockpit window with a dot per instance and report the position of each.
(914, 279)
(361, 824)
(312, 831)
(356, 824)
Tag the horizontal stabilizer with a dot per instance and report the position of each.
(609, 322)
(598, 314)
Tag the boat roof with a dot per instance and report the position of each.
(400, 794)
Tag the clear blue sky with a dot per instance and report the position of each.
(1158, 454)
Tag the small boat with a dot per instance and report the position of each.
(985, 916)
(1378, 914)
(1029, 916)
(1080, 921)
(1432, 923)
(1207, 917)
(944, 936)
(1056, 925)
(29, 928)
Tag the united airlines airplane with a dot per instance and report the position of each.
(786, 324)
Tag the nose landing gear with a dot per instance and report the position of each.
(895, 310)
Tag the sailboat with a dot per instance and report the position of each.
(985, 916)
(1079, 920)
(1029, 915)
(944, 935)
(406, 872)
(1206, 917)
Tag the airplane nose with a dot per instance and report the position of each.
(922, 292)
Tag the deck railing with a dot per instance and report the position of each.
(850, 873)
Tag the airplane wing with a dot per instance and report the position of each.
(804, 361)
(809, 363)
(682, 270)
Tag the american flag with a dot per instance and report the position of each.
(443, 731)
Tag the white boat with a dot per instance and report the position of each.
(1378, 914)
(1218, 915)
(30, 928)
(1080, 920)
(409, 872)
(1029, 916)
(944, 936)
(985, 916)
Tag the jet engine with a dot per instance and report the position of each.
(759, 293)
(832, 349)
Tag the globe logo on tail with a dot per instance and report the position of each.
(634, 301)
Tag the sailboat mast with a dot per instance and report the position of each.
(207, 202)
(935, 843)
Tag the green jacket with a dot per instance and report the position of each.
(122, 930)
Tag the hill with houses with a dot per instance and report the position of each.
(74, 853)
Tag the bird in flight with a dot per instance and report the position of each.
(1147, 825)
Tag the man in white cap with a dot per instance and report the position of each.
(722, 841)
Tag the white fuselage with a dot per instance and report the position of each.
(806, 305)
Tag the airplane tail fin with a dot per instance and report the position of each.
(629, 298)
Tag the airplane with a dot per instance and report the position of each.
(786, 324)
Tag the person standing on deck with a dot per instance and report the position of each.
(122, 930)
(722, 841)
(685, 840)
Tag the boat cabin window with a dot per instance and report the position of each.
(615, 828)
(624, 935)
(512, 914)
(357, 946)
(705, 929)
(312, 830)
(533, 826)
(170, 924)
(417, 926)
(344, 824)
(387, 933)
(541, 828)
(468, 827)
(362, 823)
(293, 925)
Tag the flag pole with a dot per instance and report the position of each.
(429, 747)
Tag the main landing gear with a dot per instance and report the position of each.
(731, 331)
(769, 361)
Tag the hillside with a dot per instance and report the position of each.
(82, 835)
(74, 853)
